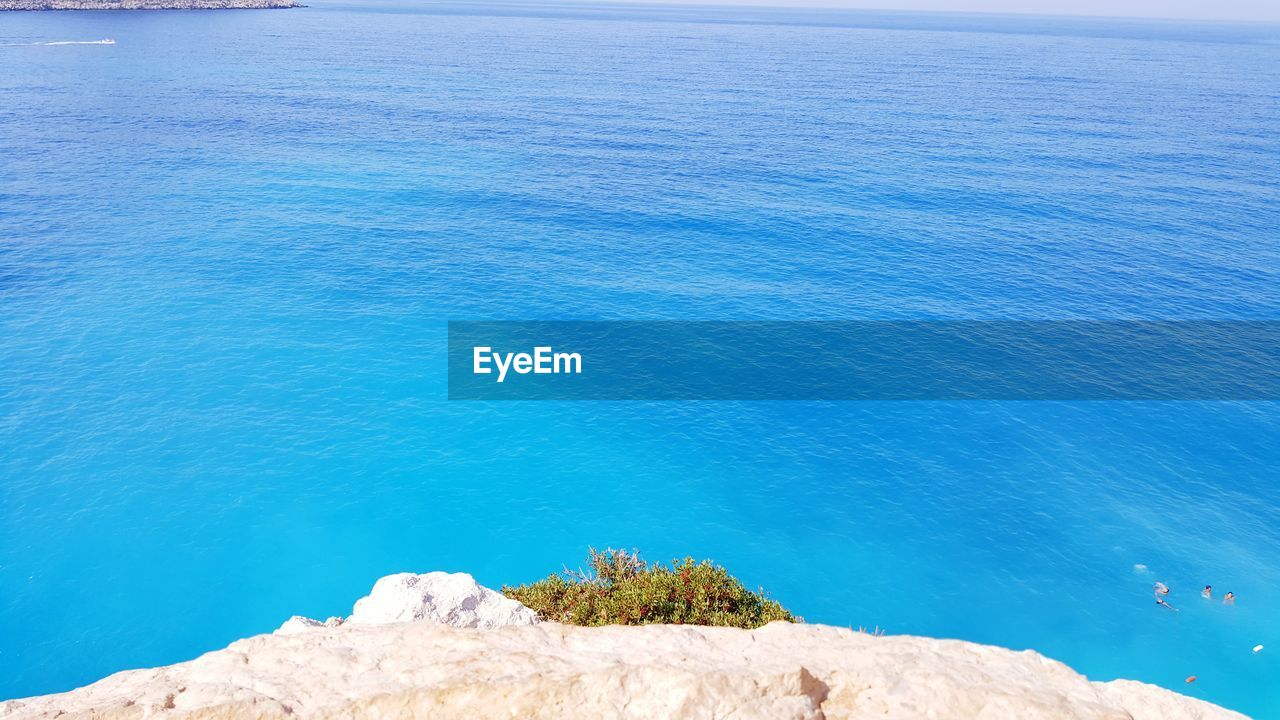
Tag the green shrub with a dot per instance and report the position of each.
(621, 589)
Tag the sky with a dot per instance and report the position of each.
(1264, 10)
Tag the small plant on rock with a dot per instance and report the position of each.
(619, 588)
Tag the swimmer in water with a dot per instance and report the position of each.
(1161, 590)
(1229, 599)
(1207, 592)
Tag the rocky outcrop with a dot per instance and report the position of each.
(442, 646)
(547, 670)
(297, 624)
(453, 599)
(144, 4)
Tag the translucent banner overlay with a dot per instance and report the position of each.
(864, 360)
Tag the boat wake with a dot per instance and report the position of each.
(104, 41)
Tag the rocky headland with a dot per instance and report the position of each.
(441, 646)
(145, 4)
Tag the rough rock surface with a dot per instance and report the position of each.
(297, 624)
(144, 4)
(779, 672)
(453, 599)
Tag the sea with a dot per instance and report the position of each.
(231, 242)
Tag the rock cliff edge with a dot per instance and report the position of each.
(502, 663)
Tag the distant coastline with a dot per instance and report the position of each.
(146, 4)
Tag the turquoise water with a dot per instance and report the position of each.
(230, 242)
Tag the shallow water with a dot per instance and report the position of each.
(229, 244)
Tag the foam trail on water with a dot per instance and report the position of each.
(104, 41)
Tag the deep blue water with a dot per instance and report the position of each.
(230, 242)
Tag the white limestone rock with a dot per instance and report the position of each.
(429, 671)
(453, 599)
(297, 624)
(483, 655)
